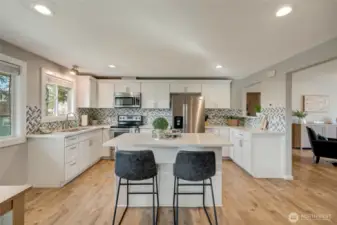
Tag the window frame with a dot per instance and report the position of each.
(67, 78)
(18, 105)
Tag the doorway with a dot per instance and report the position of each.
(253, 99)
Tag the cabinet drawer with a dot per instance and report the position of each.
(71, 153)
(71, 170)
(71, 140)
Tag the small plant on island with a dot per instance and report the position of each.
(160, 123)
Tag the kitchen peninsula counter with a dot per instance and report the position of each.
(165, 152)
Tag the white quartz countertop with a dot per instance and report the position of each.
(149, 126)
(9, 192)
(68, 134)
(146, 140)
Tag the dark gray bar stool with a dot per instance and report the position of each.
(193, 166)
(136, 166)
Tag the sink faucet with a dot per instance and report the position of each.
(65, 124)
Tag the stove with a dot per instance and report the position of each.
(126, 124)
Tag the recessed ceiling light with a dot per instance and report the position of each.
(112, 66)
(284, 10)
(218, 67)
(44, 10)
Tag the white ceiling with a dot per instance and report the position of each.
(168, 37)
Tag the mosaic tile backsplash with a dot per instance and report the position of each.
(109, 116)
(275, 116)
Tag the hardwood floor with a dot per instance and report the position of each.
(89, 199)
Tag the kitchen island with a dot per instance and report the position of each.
(165, 152)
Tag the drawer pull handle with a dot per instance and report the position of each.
(72, 139)
(73, 163)
(73, 148)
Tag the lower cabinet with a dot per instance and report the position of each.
(222, 132)
(55, 161)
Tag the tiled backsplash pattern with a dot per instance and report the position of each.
(33, 121)
(275, 116)
(108, 116)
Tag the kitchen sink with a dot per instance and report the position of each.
(73, 129)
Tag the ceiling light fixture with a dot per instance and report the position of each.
(284, 10)
(112, 66)
(218, 67)
(44, 10)
(74, 70)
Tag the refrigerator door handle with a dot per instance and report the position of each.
(185, 118)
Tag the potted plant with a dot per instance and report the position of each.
(233, 121)
(160, 125)
(94, 120)
(258, 110)
(300, 116)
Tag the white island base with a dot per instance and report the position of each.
(165, 152)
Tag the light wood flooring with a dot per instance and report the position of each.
(88, 199)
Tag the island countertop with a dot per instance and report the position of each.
(187, 139)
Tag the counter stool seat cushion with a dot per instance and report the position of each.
(135, 165)
(194, 165)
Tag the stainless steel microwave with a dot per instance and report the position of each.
(127, 100)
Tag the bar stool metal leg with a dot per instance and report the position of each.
(174, 201)
(116, 203)
(203, 202)
(215, 215)
(157, 200)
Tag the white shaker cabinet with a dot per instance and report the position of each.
(86, 92)
(183, 87)
(155, 95)
(222, 132)
(127, 87)
(105, 92)
(216, 95)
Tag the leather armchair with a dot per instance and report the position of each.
(322, 148)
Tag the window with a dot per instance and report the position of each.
(12, 101)
(5, 105)
(58, 96)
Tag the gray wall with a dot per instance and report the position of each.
(323, 51)
(13, 160)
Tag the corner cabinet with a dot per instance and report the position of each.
(217, 96)
(55, 161)
(86, 92)
(155, 95)
(106, 89)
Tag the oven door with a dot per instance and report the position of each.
(115, 133)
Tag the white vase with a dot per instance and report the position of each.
(302, 121)
(158, 134)
(258, 114)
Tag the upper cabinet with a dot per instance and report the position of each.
(106, 89)
(86, 92)
(217, 96)
(182, 87)
(155, 95)
(127, 86)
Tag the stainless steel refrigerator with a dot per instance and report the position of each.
(188, 112)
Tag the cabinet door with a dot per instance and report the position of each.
(155, 95)
(84, 155)
(105, 94)
(330, 131)
(106, 137)
(185, 88)
(93, 92)
(216, 95)
(246, 156)
(127, 87)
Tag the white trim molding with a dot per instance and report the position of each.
(19, 107)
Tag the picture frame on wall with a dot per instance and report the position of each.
(316, 103)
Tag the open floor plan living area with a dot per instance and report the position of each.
(168, 112)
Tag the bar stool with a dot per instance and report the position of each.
(136, 166)
(193, 166)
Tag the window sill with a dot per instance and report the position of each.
(10, 141)
(48, 119)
